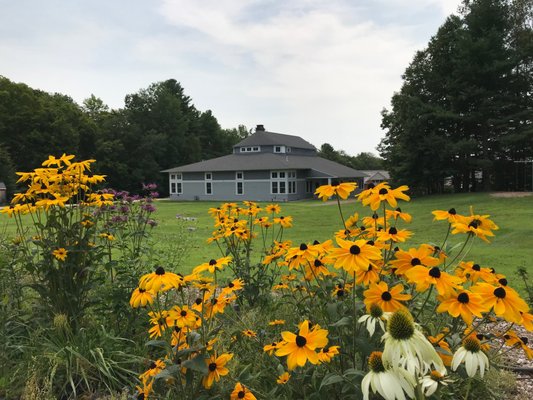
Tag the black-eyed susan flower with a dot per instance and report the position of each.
(407, 347)
(398, 213)
(283, 378)
(234, 285)
(270, 348)
(513, 340)
(473, 272)
(158, 320)
(141, 297)
(181, 317)
(249, 333)
(390, 383)
(277, 322)
(471, 354)
(387, 300)
(155, 367)
(405, 260)
(160, 280)
(353, 255)
(464, 303)
(273, 209)
(301, 255)
(213, 265)
(342, 190)
(284, 221)
(450, 215)
(505, 301)
(423, 277)
(60, 254)
(476, 225)
(327, 353)
(216, 368)
(372, 274)
(300, 348)
(383, 192)
(241, 392)
(393, 234)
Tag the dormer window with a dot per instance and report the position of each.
(279, 149)
(250, 149)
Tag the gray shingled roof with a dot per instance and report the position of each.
(264, 138)
(376, 175)
(268, 161)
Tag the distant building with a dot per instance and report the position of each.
(375, 177)
(3, 193)
(266, 166)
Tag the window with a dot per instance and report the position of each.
(208, 188)
(239, 175)
(277, 149)
(288, 150)
(308, 186)
(175, 184)
(239, 189)
(282, 182)
(251, 149)
(208, 176)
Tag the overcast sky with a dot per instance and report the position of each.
(320, 69)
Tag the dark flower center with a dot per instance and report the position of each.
(383, 191)
(375, 216)
(241, 394)
(524, 339)
(142, 290)
(301, 341)
(500, 293)
(230, 285)
(183, 313)
(386, 296)
(355, 249)
(415, 261)
(212, 262)
(160, 271)
(399, 209)
(463, 298)
(317, 263)
(316, 242)
(393, 231)
(370, 243)
(153, 365)
(452, 211)
(480, 336)
(340, 293)
(503, 282)
(476, 267)
(474, 224)
(198, 301)
(212, 367)
(303, 247)
(434, 272)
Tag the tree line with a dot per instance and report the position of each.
(158, 128)
(464, 113)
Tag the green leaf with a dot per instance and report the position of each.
(196, 364)
(331, 379)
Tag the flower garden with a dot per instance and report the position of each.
(90, 311)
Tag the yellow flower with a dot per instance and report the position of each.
(141, 297)
(388, 300)
(353, 255)
(241, 392)
(299, 348)
(60, 254)
(383, 192)
(451, 215)
(285, 222)
(160, 280)
(328, 353)
(465, 303)
(216, 367)
(249, 333)
(342, 190)
(405, 260)
(213, 265)
(269, 348)
(503, 299)
(283, 378)
(477, 225)
(277, 322)
(273, 209)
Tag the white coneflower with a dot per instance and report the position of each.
(430, 383)
(472, 355)
(406, 346)
(389, 383)
(374, 317)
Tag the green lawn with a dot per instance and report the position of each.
(512, 247)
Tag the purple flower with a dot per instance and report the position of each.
(152, 222)
(148, 208)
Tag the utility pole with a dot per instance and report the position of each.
(527, 162)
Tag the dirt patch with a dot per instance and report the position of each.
(511, 194)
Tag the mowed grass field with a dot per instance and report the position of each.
(512, 246)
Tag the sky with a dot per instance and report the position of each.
(319, 69)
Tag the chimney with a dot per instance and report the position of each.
(260, 128)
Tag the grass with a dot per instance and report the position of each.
(511, 248)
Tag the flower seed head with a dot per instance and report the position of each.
(401, 325)
(375, 363)
(472, 344)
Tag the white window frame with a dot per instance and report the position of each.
(176, 180)
(208, 184)
(237, 175)
(279, 149)
(250, 149)
(237, 188)
(208, 176)
(283, 180)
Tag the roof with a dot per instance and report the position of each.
(269, 161)
(264, 138)
(376, 175)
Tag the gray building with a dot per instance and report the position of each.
(266, 166)
(3, 194)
